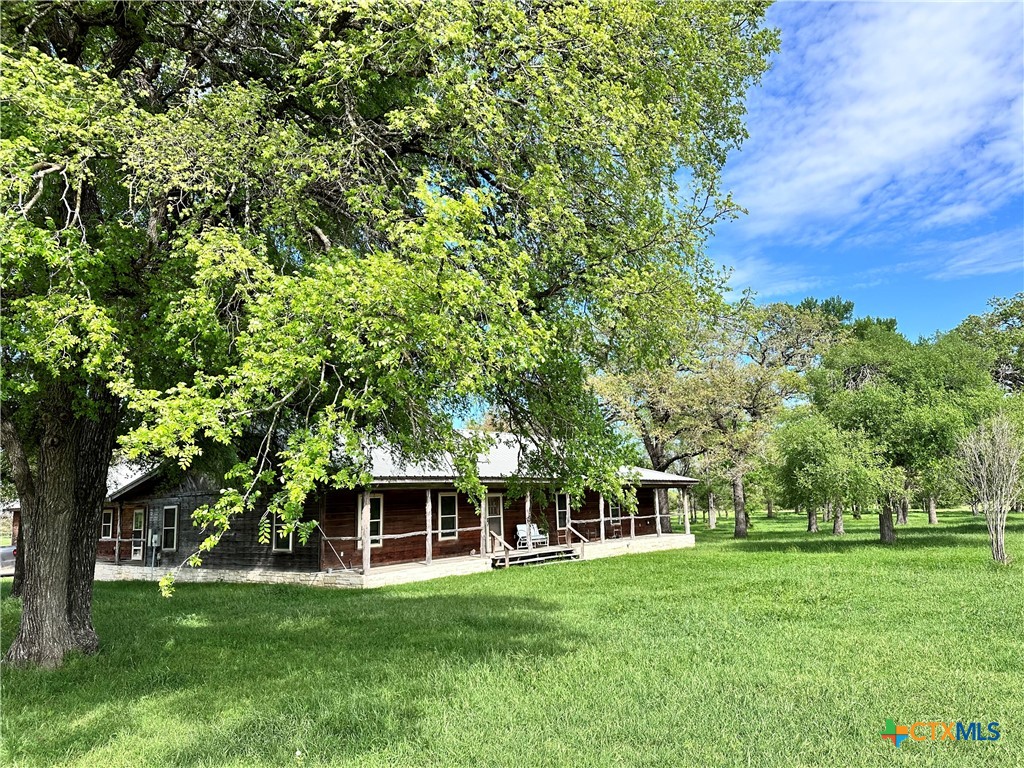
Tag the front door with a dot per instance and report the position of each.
(138, 533)
(495, 519)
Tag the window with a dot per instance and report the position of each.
(138, 532)
(447, 516)
(107, 526)
(615, 511)
(376, 520)
(169, 541)
(281, 541)
(562, 510)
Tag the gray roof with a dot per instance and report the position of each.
(500, 463)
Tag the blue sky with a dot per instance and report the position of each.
(885, 161)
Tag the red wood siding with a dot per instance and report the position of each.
(405, 512)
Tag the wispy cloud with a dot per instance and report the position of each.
(769, 278)
(990, 254)
(884, 116)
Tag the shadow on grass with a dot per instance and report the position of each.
(970, 533)
(355, 669)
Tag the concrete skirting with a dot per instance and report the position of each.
(385, 575)
(639, 545)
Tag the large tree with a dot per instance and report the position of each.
(326, 223)
(913, 400)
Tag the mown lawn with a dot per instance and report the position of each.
(789, 649)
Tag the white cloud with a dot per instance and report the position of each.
(992, 254)
(769, 278)
(884, 116)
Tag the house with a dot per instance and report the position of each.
(410, 524)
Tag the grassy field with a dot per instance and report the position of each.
(788, 649)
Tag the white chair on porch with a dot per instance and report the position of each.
(522, 539)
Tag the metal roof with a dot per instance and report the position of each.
(499, 464)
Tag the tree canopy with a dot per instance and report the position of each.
(305, 226)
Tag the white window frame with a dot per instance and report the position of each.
(276, 525)
(441, 536)
(563, 523)
(375, 541)
(138, 544)
(615, 511)
(164, 528)
(107, 524)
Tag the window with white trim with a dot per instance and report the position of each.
(376, 520)
(447, 516)
(107, 526)
(169, 540)
(615, 511)
(281, 541)
(562, 510)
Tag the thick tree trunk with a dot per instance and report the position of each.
(812, 519)
(837, 521)
(856, 511)
(44, 637)
(712, 512)
(886, 531)
(903, 511)
(18, 584)
(95, 448)
(739, 505)
(771, 509)
(997, 538)
(933, 518)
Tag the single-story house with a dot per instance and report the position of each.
(411, 515)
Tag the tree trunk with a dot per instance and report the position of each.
(95, 447)
(903, 511)
(997, 538)
(886, 531)
(837, 521)
(18, 584)
(712, 512)
(44, 637)
(812, 519)
(974, 508)
(856, 511)
(739, 505)
(933, 518)
(827, 512)
(771, 509)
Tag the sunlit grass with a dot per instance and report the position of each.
(788, 649)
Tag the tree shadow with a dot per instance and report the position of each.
(359, 668)
(969, 533)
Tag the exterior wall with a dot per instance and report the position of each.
(404, 511)
(239, 548)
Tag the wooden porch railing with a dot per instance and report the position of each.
(502, 543)
(569, 530)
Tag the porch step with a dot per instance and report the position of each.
(536, 557)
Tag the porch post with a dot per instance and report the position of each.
(657, 514)
(568, 519)
(632, 526)
(364, 531)
(685, 493)
(430, 528)
(600, 514)
(483, 527)
(529, 524)
(117, 536)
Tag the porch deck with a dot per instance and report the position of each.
(389, 575)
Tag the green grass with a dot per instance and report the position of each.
(788, 649)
